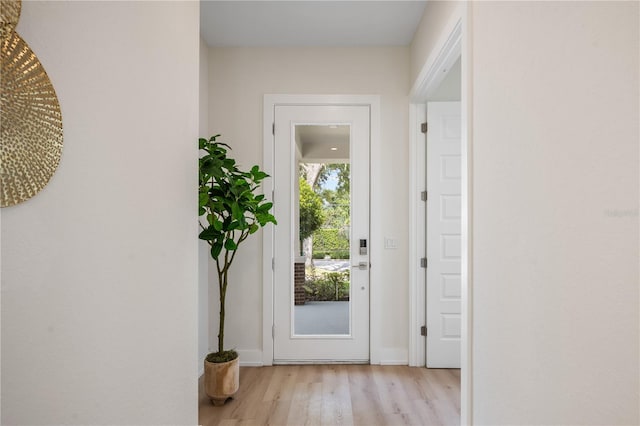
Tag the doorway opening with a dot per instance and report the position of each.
(445, 69)
(320, 173)
(317, 147)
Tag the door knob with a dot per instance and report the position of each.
(361, 265)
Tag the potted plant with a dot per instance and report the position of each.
(232, 210)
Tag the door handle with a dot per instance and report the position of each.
(361, 265)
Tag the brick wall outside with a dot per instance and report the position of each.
(298, 279)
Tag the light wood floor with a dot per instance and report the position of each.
(366, 395)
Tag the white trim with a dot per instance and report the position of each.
(466, 376)
(453, 42)
(417, 249)
(375, 224)
(250, 358)
(393, 356)
(447, 51)
(267, 239)
(375, 304)
(440, 59)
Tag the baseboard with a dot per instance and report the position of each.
(388, 356)
(201, 364)
(250, 358)
(394, 356)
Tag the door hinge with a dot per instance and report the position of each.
(273, 331)
(423, 330)
(273, 263)
(424, 127)
(423, 195)
(273, 129)
(423, 262)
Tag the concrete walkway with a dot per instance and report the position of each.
(321, 318)
(332, 265)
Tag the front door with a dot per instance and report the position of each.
(321, 243)
(443, 235)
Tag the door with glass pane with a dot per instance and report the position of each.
(321, 244)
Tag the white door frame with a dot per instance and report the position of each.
(452, 43)
(375, 224)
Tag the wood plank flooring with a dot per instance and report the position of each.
(366, 395)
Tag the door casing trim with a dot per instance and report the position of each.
(454, 41)
(450, 45)
(270, 101)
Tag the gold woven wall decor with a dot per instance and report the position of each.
(30, 117)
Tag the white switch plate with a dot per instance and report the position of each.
(390, 243)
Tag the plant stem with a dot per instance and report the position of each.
(222, 279)
(223, 274)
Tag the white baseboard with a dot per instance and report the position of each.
(201, 365)
(388, 356)
(250, 358)
(394, 356)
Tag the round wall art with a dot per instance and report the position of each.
(30, 117)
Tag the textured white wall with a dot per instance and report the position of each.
(556, 184)
(99, 270)
(239, 79)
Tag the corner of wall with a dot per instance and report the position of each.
(203, 249)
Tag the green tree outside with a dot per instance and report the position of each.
(311, 211)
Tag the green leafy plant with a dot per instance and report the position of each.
(232, 209)
(332, 242)
(331, 286)
(311, 213)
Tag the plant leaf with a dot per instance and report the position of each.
(215, 250)
(227, 196)
(203, 199)
(230, 244)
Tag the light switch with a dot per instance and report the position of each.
(390, 243)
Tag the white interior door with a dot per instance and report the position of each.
(320, 331)
(443, 235)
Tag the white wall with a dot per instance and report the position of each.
(435, 17)
(203, 247)
(555, 182)
(99, 270)
(239, 77)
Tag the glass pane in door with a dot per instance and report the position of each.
(321, 285)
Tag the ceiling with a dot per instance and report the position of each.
(309, 23)
(323, 142)
(347, 23)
